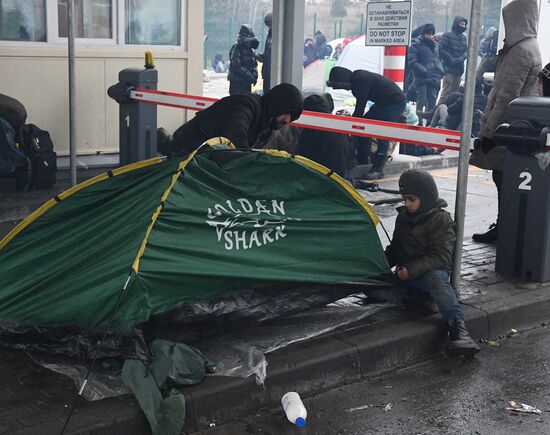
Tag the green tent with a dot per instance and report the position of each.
(151, 237)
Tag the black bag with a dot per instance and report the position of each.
(13, 162)
(12, 111)
(37, 145)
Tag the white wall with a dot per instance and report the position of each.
(37, 75)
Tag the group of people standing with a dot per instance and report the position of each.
(316, 47)
(433, 66)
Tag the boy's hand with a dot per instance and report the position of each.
(402, 273)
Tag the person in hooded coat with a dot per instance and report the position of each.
(327, 148)
(309, 51)
(517, 67)
(247, 120)
(389, 105)
(408, 86)
(322, 49)
(243, 69)
(422, 252)
(488, 52)
(423, 58)
(265, 57)
(453, 49)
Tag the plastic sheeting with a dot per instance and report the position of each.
(72, 342)
(242, 352)
(105, 381)
(238, 352)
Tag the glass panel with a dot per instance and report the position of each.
(23, 20)
(92, 18)
(153, 22)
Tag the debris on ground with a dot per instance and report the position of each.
(387, 407)
(522, 407)
(359, 408)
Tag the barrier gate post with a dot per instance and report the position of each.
(137, 122)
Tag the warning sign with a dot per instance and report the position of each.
(388, 23)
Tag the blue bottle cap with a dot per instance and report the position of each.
(300, 422)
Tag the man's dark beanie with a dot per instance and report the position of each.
(281, 99)
(428, 28)
(420, 183)
(340, 75)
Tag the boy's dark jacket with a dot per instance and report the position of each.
(423, 243)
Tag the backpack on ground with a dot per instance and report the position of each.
(13, 162)
(37, 145)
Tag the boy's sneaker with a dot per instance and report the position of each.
(460, 342)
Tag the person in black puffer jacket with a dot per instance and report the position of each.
(324, 147)
(423, 57)
(452, 50)
(322, 49)
(243, 70)
(265, 57)
(408, 86)
(247, 120)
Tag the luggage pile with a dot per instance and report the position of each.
(26, 151)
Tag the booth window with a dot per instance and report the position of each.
(23, 20)
(150, 22)
(92, 18)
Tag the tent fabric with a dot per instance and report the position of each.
(316, 75)
(151, 237)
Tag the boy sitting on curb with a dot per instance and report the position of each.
(422, 251)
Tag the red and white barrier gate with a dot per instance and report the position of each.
(432, 137)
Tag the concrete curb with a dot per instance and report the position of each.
(348, 356)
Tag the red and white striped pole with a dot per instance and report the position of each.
(394, 64)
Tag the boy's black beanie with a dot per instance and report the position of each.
(420, 183)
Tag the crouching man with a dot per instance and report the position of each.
(422, 251)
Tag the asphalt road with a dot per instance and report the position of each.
(441, 396)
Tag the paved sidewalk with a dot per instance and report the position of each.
(34, 400)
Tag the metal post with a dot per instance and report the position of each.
(314, 22)
(361, 24)
(335, 30)
(340, 30)
(465, 138)
(287, 42)
(72, 93)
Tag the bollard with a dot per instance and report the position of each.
(137, 121)
(523, 245)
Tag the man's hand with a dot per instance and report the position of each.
(402, 273)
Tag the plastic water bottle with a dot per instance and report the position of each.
(294, 409)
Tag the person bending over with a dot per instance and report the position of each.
(389, 104)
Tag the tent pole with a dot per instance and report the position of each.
(72, 94)
(465, 138)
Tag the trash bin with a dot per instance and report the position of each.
(523, 246)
